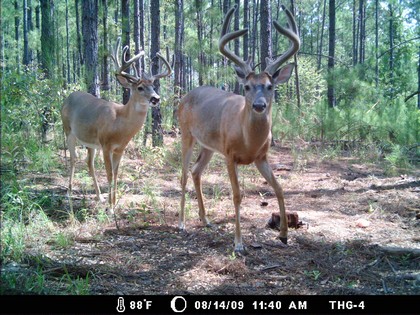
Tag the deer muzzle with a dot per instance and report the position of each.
(259, 105)
(154, 100)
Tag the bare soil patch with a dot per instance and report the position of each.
(362, 233)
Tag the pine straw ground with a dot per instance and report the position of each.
(334, 253)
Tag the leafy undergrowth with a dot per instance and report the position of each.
(360, 234)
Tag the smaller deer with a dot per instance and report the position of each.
(239, 127)
(107, 125)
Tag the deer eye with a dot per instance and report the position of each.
(247, 87)
(140, 89)
(269, 87)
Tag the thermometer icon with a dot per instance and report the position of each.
(120, 305)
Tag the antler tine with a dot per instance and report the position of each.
(225, 38)
(292, 34)
(166, 73)
(114, 54)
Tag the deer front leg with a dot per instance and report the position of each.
(267, 173)
(116, 159)
(91, 165)
(237, 198)
(110, 177)
(197, 170)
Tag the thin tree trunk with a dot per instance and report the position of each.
(67, 43)
(246, 25)
(157, 133)
(136, 34)
(391, 46)
(79, 38)
(25, 59)
(17, 23)
(297, 84)
(125, 18)
(178, 66)
(377, 43)
(236, 43)
(355, 37)
(321, 40)
(331, 53)
(201, 57)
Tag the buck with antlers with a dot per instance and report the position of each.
(239, 127)
(106, 125)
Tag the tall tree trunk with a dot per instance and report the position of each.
(418, 80)
(361, 31)
(236, 43)
(47, 37)
(90, 44)
(200, 26)
(355, 31)
(157, 133)
(377, 43)
(26, 58)
(38, 27)
(266, 50)
(391, 47)
(254, 37)
(321, 39)
(331, 54)
(17, 26)
(105, 58)
(178, 67)
(136, 34)
(125, 18)
(297, 83)
(246, 25)
(67, 43)
(79, 38)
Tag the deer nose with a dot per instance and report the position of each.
(259, 107)
(155, 99)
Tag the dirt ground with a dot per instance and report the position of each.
(360, 234)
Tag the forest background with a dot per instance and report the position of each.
(355, 90)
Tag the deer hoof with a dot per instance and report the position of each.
(240, 250)
(283, 240)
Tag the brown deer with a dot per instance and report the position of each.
(239, 127)
(107, 125)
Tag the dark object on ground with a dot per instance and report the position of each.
(292, 221)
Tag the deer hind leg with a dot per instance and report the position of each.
(237, 198)
(203, 159)
(187, 148)
(91, 165)
(71, 143)
(267, 173)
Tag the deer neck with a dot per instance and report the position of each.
(135, 112)
(257, 126)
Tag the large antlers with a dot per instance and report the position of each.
(291, 33)
(120, 69)
(225, 38)
(162, 74)
(127, 63)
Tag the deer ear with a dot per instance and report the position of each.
(283, 74)
(123, 81)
